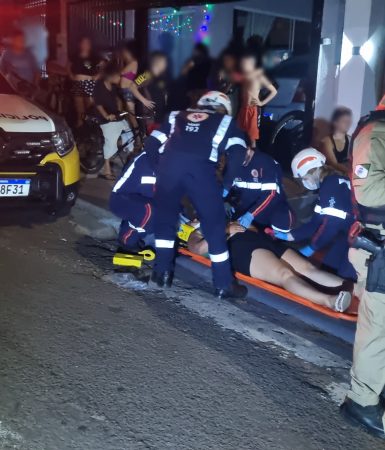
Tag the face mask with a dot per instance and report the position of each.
(312, 181)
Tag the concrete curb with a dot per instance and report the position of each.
(101, 224)
(94, 221)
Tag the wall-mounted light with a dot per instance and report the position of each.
(346, 50)
(366, 51)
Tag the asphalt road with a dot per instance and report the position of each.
(87, 365)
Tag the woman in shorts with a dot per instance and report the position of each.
(257, 255)
(83, 73)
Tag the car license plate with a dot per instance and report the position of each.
(14, 188)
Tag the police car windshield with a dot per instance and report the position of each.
(5, 87)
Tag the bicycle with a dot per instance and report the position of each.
(90, 142)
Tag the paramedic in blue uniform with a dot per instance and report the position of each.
(185, 151)
(132, 201)
(257, 194)
(333, 214)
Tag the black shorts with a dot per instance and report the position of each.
(242, 245)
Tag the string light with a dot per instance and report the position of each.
(203, 32)
(114, 23)
(170, 23)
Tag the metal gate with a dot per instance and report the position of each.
(91, 18)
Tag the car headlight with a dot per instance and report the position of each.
(63, 141)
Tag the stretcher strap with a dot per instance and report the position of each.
(276, 290)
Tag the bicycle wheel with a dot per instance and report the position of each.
(90, 145)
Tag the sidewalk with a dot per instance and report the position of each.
(92, 217)
(96, 190)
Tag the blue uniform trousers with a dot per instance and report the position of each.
(181, 175)
(337, 258)
(136, 212)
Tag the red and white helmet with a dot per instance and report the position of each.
(215, 99)
(303, 162)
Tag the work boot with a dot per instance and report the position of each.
(234, 291)
(369, 417)
(162, 280)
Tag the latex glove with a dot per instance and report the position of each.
(225, 193)
(246, 220)
(307, 251)
(282, 236)
(229, 210)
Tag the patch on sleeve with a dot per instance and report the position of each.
(361, 171)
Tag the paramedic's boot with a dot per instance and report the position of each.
(235, 291)
(369, 417)
(161, 279)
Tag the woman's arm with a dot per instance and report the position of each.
(69, 72)
(187, 67)
(136, 93)
(327, 149)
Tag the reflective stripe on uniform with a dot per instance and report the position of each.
(172, 122)
(220, 258)
(257, 186)
(138, 229)
(329, 211)
(280, 229)
(161, 137)
(219, 136)
(126, 174)
(148, 180)
(235, 141)
(162, 243)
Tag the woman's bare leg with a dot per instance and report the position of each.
(88, 102)
(131, 118)
(267, 267)
(305, 268)
(80, 109)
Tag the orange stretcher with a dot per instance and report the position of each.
(350, 315)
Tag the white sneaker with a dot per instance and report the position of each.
(343, 301)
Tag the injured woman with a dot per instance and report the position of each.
(255, 254)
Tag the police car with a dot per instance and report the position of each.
(38, 156)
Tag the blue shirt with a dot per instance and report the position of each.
(202, 135)
(21, 64)
(137, 178)
(257, 184)
(333, 213)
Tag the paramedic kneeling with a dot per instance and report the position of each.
(132, 201)
(189, 144)
(333, 214)
(363, 405)
(257, 194)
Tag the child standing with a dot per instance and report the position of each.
(253, 82)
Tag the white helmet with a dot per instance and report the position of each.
(303, 162)
(215, 99)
